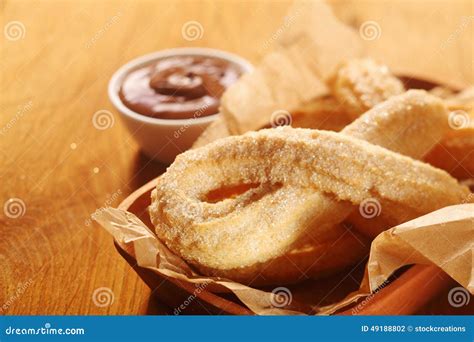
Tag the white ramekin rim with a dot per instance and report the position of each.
(117, 79)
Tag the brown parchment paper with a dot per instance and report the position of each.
(444, 238)
(299, 58)
(306, 49)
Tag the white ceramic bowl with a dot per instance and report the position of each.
(164, 139)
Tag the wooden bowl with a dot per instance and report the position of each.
(404, 295)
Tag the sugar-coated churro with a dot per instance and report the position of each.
(246, 232)
(360, 84)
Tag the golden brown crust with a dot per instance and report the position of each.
(265, 222)
(410, 132)
(339, 248)
(410, 124)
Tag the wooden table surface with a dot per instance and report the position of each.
(57, 168)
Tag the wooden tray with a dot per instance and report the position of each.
(404, 295)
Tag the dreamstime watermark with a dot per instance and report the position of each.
(192, 208)
(199, 288)
(108, 24)
(189, 207)
(20, 289)
(14, 208)
(288, 21)
(192, 30)
(281, 118)
(21, 111)
(355, 310)
(47, 329)
(14, 30)
(197, 114)
(459, 119)
(370, 30)
(281, 297)
(103, 119)
(103, 297)
(458, 296)
(465, 20)
(370, 208)
(109, 201)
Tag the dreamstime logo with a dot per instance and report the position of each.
(287, 22)
(21, 111)
(458, 119)
(108, 24)
(370, 208)
(14, 208)
(356, 310)
(21, 288)
(103, 296)
(459, 296)
(14, 30)
(109, 201)
(103, 119)
(281, 118)
(194, 208)
(281, 297)
(370, 30)
(189, 207)
(192, 30)
(191, 298)
(465, 21)
(197, 114)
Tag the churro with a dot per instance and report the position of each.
(360, 84)
(299, 177)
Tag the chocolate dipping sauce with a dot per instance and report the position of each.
(179, 87)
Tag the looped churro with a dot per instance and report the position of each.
(294, 176)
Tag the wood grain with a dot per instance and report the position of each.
(54, 79)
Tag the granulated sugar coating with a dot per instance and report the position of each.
(360, 84)
(308, 181)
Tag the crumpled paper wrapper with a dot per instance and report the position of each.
(444, 238)
(305, 52)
